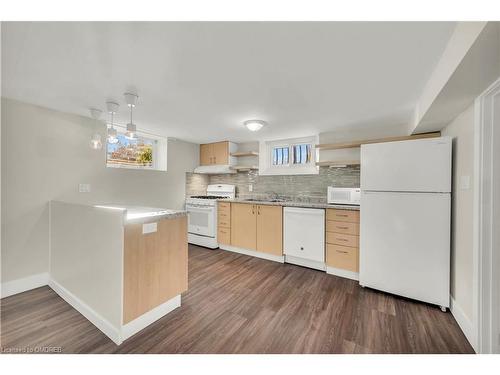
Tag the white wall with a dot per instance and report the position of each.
(462, 131)
(45, 155)
(86, 257)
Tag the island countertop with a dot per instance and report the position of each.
(138, 214)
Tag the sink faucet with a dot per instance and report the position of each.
(273, 195)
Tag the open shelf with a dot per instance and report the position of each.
(337, 146)
(245, 153)
(338, 163)
(245, 168)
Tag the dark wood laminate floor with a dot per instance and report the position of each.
(241, 304)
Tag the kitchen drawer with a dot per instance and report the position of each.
(224, 236)
(224, 207)
(342, 239)
(342, 227)
(342, 257)
(348, 216)
(224, 221)
(224, 215)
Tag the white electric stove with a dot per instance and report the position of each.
(202, 215)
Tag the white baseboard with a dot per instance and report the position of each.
(342, 273)
(151, 316)
(464, 323)
(257, 254)
(305, 262)
(102, 324)
(10, 288)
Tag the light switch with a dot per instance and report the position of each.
(84, 188)
(250, 187)
(464, 182)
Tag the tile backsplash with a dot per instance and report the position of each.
(310, 188)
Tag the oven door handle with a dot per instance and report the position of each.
(199, 206)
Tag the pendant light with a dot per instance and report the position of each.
(112, 133)
(131, 100)
(96, 141)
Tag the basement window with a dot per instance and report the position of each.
(146, 152)
(288, 157)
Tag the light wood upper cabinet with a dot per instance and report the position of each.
(214, 153)
(206, 152)
(244, 225)
(270, 229)
(221, 152)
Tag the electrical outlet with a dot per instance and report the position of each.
(250, 187)
(84, 188)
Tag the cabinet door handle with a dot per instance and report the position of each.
(253, 209)
(258, 210)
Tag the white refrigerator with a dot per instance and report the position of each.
(405, 219)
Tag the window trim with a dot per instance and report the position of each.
(266, 166)
(159, 149)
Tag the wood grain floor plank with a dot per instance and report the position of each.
(240, 304)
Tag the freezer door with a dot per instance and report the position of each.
(422, 165)
(405, 245)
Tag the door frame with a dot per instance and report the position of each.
(486, 253)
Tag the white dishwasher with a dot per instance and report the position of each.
(304, 237)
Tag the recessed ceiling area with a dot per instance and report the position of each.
(199, 81)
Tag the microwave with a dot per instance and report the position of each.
(343, 195)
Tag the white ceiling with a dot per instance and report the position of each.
(199, 81)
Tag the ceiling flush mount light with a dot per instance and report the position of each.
(131, 100)
(112, 108)
(95, 141)
(254, 125)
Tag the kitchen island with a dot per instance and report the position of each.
(121, 267)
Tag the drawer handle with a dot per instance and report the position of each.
(342, 227)
(341, 215)
(340, 251)
(343, 239)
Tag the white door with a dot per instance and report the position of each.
(417, 165)
(304, 233)
(405, 244)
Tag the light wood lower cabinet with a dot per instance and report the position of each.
(257, 227)
(270, 229)
(155, 266)
(244, 225)
(342, 237)
(224, 223)
(342, 257)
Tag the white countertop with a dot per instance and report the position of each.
(138, 213)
